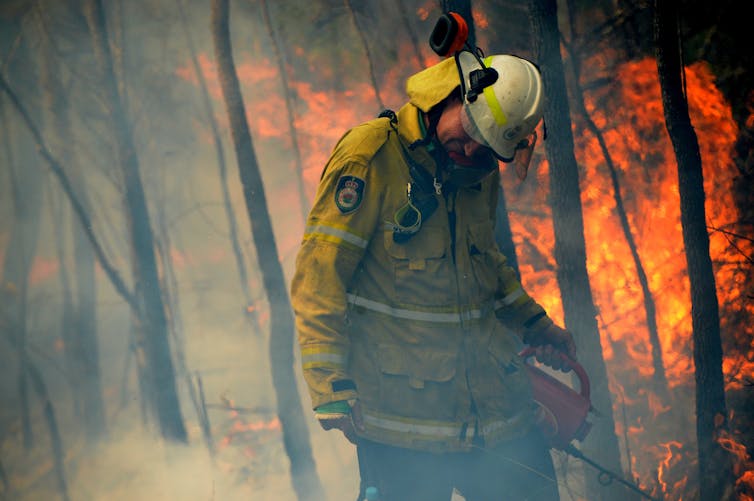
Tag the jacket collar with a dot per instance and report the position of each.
(411, 129)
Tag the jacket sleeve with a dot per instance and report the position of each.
(513, 305)
(342, 220)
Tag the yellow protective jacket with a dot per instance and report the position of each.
(419, 332)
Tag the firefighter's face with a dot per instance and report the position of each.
(450, 132)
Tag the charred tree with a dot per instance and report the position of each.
(19, 255)
(243, 275)
(169, 283)
(289, 110)
(570, 246)
(716, 479)
(368, 52)
(40, 388)
(79, 323)
(58, 452)
(404, 14)
(85, 325)
(282, 330)
(152, 326)
(27, 187)
(26, 182)
(660, 380)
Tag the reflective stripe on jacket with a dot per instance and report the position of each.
(420, 327)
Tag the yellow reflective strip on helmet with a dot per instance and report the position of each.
(492, 102)
(334, 234)
(491, 98)
(453, 317)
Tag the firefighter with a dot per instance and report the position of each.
(409, 319)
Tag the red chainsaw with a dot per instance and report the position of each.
(562, 414)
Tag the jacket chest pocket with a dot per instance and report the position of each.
(416, 381)
(421, 272)
(483, 255)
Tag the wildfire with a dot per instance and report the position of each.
(630, 115)
(244, 434)
(673, 457)
(743, 466)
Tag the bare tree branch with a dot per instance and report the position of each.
(65, 183)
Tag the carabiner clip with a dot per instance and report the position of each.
(407, 219)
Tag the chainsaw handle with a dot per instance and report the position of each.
(575, 366)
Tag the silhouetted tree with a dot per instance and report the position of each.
(289, 110)
(282, 329)
(570, 246)
(26, 182)
(80, 318)
(715, 468)
(235, 243)
(152, 327)
(659, 378)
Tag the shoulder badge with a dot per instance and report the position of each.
(349, 193)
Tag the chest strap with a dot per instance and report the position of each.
(421, 193)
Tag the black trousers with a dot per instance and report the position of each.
(517, 470)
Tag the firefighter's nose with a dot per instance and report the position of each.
(470, 148)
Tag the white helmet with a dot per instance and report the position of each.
(503, 113)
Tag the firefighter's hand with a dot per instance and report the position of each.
(551, 344)
(347, 422)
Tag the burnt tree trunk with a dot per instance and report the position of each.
(243, 275)
(153, 327)
(715, 468)
(659, 379)
(289, 111)
(370, 58)
(79, 324)
(26, 193)
(19, 254)
(570, 247)
(404, 14)
(282, 330)
(27, 188)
